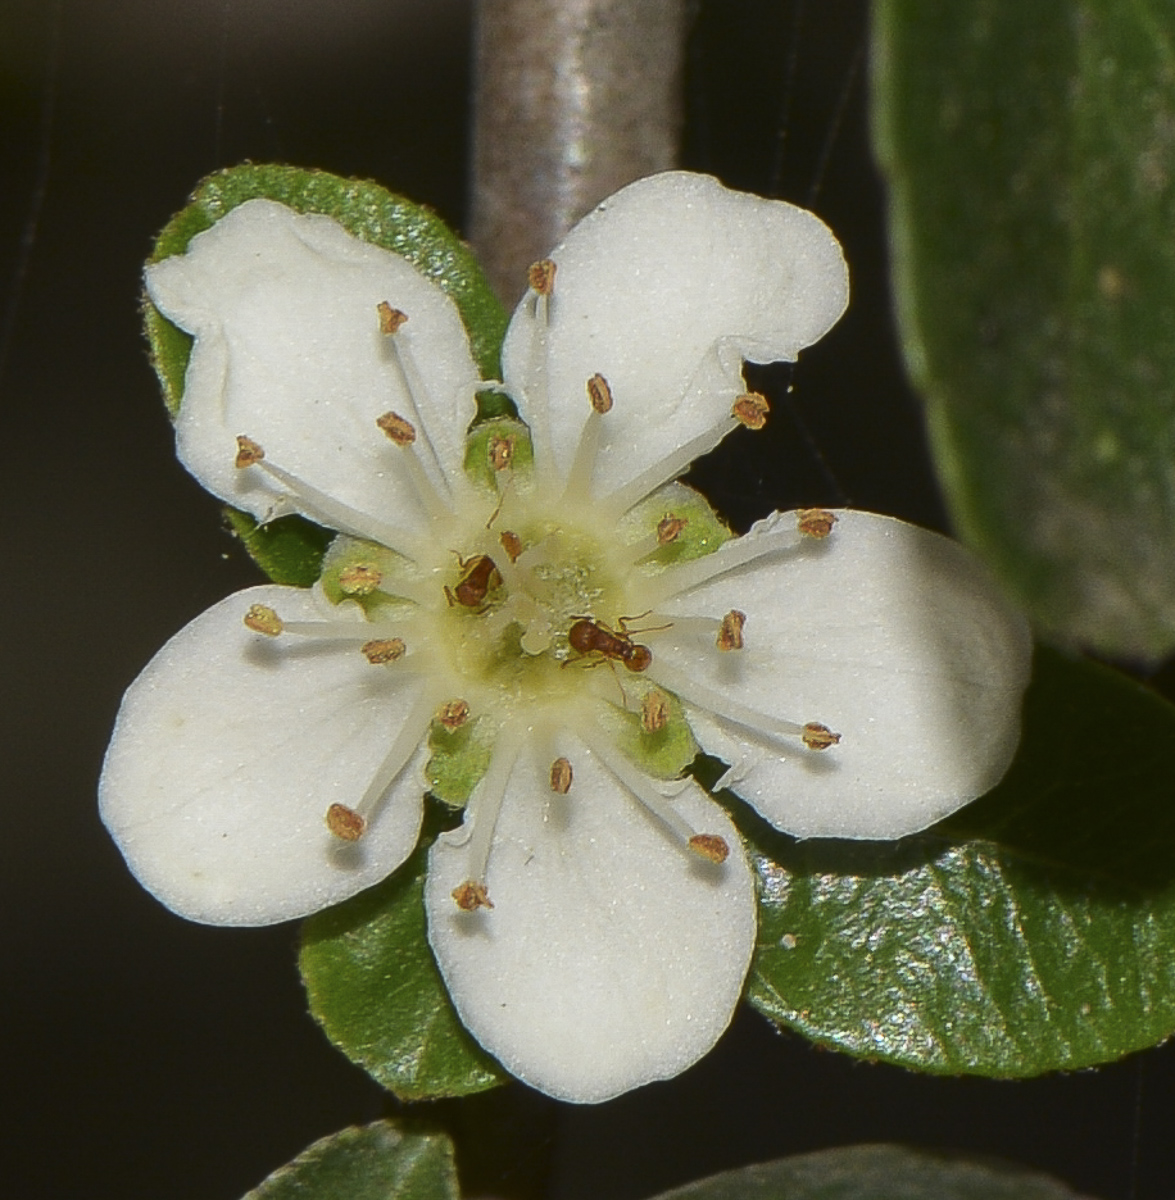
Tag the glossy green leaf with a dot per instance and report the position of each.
(376, 991)
(1029, 150)
(875, 1173)
(1033, 931)
(376, 1162)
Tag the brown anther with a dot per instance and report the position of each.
(262, 619)
(512, 544)
(751, 409)
(383, 650)
(669, 528)
(541, 276)
(402, 432)
(359, 579)
(471, 896)
(730, 634)
(818, 737)
(654, 711)
(248, 452)
(600, 394)
(501, 452)
(815, 522)
(453, 714)
(561, 776)
(710, 846)
(345, 823)
(390, 319)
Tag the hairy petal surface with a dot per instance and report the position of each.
(664, 289)
(289, 352)
(227, 752)
(613, 956)
(893, 637)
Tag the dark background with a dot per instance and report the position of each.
(147, 1057)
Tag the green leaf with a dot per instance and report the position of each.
(1033, 931)
(875, 1173)
(1029, 152)
(376, 1162)
(364, 209)
(289, 550)
(376, 991)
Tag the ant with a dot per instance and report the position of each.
(479, 576)
(588, 636)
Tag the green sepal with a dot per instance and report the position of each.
(1028, 151)
(364, 209)
(460, 757)
(876, 1173)
(289, 550)
(702, 534)
(375, 989)
(1032, 931)
(663, 753)
(478, 442)
(374, 1162)
(383, 602)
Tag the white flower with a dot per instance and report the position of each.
(593, 921)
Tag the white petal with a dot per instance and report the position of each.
(613, 956)
(288, 352)
(664, 290)
(228, 750)
(893, 637)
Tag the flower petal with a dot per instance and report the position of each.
(891, 636)
(228, 750)
(664, 289)
(612, 955)
(289, 352)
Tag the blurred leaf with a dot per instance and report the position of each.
(1029, 150)
(875, 1173)
(376, 991)
(1033, 931)
(289, 550)
(364, 209)
(376, 1162)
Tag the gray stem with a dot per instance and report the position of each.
(573, 99)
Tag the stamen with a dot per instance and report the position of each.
(481, 813)
(815, 522)
(561, 776)
(262, 619)
(471, 896)
(680, 578)
(818, 737)
(383, 650)
(726, 709)
(600, 394)
(654, 711)
(512, 544)
(390, 319)
(403, 433)
(320, 507)
(345, 823)
(541, 276)
(400, 431)
(359, 579)
(453, 714)
(248, 453)
(730, 635)
(501, 452)
(405, 745)
(669, 528)
(751, 409)
(710, 846)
